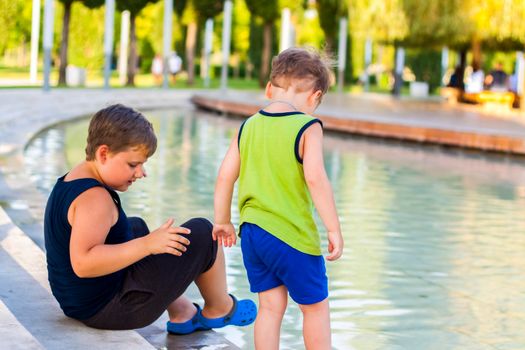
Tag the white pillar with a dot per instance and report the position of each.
(285, 30)
(35, 34)
(208, 38)
(166, 41)
(124, 42)
(49, 16)
(368, 61)
(400, 60)
(444, 63)
(400, 64)
(343, 27)
(520, 72)
(226, 37)
(109, 22)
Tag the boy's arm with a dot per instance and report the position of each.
(91, 216)
(223, 229)
(320, 189)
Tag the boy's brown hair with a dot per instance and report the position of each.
(120, 127)
(301, 64)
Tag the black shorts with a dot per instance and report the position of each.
(153, 283)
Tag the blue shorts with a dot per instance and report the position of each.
(271, 263)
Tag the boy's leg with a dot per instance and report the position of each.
(272, 305)
(213, 288)
(180, 310)
(316, 326)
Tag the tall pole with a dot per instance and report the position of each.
(226, 37)
(343, 26)
(35, 34)
(166, 41)
(285, 30)
(49, 14)
(520, 72)
(208, 37)
(124, 42)
(444, 63)
(398, 72)
(109, 22)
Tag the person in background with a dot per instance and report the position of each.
(474, 82)
(156, 69)
(174, 65)
(497, 79)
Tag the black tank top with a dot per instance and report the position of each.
(79, 298)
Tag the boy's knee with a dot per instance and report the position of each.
(200, 237)
(202, 225)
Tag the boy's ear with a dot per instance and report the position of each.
(102, 153)
(315, 98)
(268, 91)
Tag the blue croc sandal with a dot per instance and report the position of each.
(187, 327)
(242, 313)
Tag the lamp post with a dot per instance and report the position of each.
(109, 21)
(226, 37)
(49, 14)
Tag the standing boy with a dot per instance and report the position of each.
(278, 158)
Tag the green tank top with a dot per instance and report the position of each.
(272, 190)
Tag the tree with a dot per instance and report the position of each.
(330, 11)
(202, 10)
(134, 7)
(65, 34)
(268, 12)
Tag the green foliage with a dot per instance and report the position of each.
(133, 6)
(208, 8)
(267, 10)
(329, 13)
(86, 37)
(380, 20)
(256, 36)
(179, 6)
(435, 23)
(15, 24)
(426, 66)
(147, 53)
(92, 4)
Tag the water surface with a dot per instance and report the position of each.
(435, 238)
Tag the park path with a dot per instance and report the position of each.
(425, 120)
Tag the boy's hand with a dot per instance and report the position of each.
(167, 239)
(335, 245)
(224, 234)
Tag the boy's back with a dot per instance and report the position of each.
(272, 189)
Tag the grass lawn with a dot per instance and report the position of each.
(17, 77)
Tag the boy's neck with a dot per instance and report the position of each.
(280, 106)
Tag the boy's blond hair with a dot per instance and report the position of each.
(120, 128)
(301, 64)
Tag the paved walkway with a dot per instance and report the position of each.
(429, 121)
(30, 318)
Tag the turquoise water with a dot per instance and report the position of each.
(435, 239)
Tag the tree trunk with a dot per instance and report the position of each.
(266, 54)
(191, 40)
(64, 43)
(476, 52)
(462, 66)
(133, 56)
